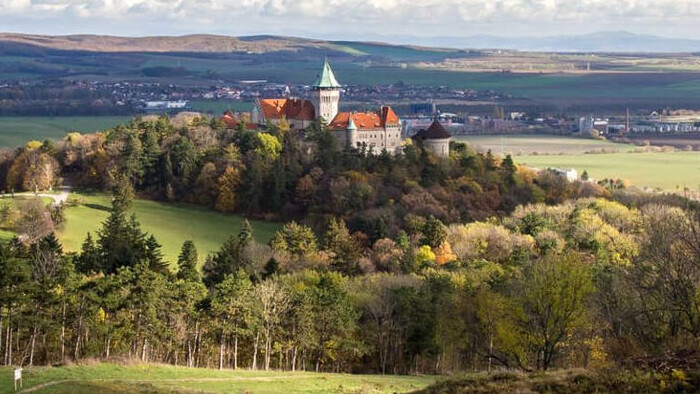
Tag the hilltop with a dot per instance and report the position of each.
(204, 44)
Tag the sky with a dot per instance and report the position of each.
(387, 20)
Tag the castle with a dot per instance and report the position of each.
(375, 130)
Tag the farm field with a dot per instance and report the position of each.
(667, 171)
(217, 107)
(17, 130)
(539, 144)
(111, 378)
(172, 224)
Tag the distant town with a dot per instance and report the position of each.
(462, 111)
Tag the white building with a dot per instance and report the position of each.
(375, 130)
(570, 174)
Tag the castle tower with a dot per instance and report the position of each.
(326, 93)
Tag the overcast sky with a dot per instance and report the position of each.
(390, 20)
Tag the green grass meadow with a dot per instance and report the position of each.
(140, 378)
(539, 144)
(668, 171)
(16, 131)
(172, 224)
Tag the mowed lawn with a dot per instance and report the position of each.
(171, 224)
(137, 378)
(667, 171)
(17, 130)
(539, 144)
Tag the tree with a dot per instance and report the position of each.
(187, 263)
(553, 301)
(154, 256)
(150, 155)
(122, 194)
(345, 250)
(132, 155)
(584, 176)
(334, 319)
(228, 182)
(206, 185)
(33, 170)
(294, 239)
(35, 220)
(272, 303)
(230, 258)
(509, 168)
(89, 260)
(434, 232)
(269, 147)
(231, 306)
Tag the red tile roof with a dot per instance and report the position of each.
(298, 109)
(389, 116)
(365, 120)
(435, 132)
(231, 122)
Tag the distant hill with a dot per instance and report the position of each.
(216, 44)
(607, 41)
(189, 43)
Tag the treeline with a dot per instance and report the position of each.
(285, 174)
(584, 283)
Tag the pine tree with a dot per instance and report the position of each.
(89, 260)
(154, 256)
(509, 168)
(345, 251)
(187, 263)
(230, 258)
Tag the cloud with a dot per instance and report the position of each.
(425, 17)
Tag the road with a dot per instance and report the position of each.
(61, 197)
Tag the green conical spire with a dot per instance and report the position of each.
(326, 79)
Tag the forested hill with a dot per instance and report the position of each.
(404, 263)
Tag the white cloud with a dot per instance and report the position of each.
(348, 17)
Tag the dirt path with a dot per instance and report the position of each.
(61, 197)
(137, 381)
(44, 385)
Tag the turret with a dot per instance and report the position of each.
(326, 93)
(351, 133)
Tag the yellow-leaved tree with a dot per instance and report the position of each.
(228, 181)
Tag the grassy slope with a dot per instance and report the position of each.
(528, 144)
(663, 170)
(16, 131)
(172, 224)
(105, 378)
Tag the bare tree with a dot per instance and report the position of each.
(273, 304)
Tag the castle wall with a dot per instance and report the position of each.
(377, 139)
(440, 148)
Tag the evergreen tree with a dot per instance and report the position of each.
(434, 232)
(187, 263)
(89, 260)
(150, 157)
(509, 169)
(154, 256)
(230, 258)
(345, 251)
